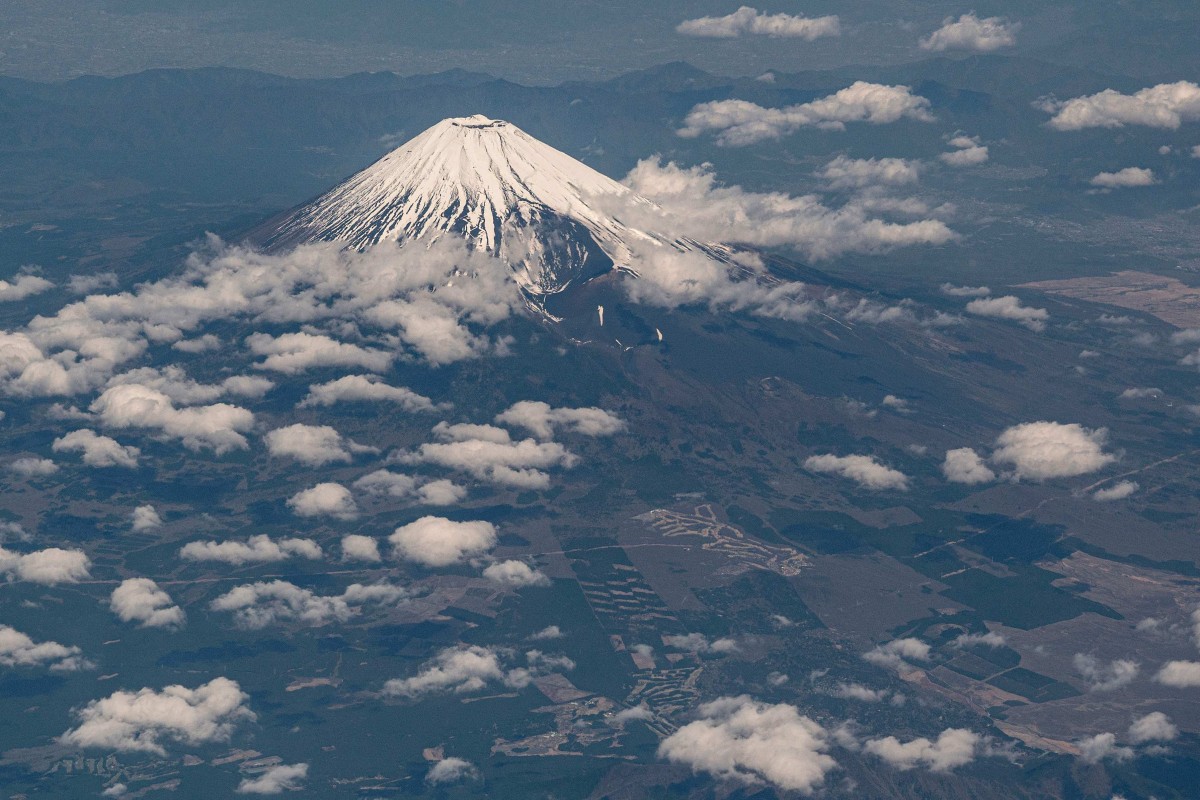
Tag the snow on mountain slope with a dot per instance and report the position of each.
(488, 181)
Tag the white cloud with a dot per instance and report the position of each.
(971, 33)
(1010, 308)
(542, 421)
(50, 566)
(898, 404)
(489, 454)
(1095, 749)
(292, 353)
(275, 779)
(86, 284)
(145, 720)
(547, 633)
(964, 465)
(968, 152)
(1118, 491)
(856, 691)
(1154, 727)
(23, 286)
(954, 747)
(1167, 105)
(450, 770)
(216, 427)
(1103, 677)
(33, 467)
(174, 382)
(98, 451)
(360, 548)
(858, 173)
(312, 445)
(1179, 674)
(740, 739)
(896, 653)
(1043, 450)
(324, 500)
(201, 344)
(989, 639)
(965, 291)
(460, 669)
(260, 549)
(515, 574)
(1140, 393)
(748, 20)
(365, 388)
(864, 470)
(385, 483)
(258, 605)
(740, 122)
(145, 518)
(19, 650)
(699, 643)
(691, 204)
(440, 542)
(141, 600)
(1130, 176)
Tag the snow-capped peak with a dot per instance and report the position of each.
(486, 180)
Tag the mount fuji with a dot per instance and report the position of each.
(504, 192)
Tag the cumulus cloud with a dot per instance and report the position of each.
(690, 203)
(1154, 727)
(1118, 491)
(964, 465)
(989, 639)
(864, 470)
(515, 574)
(1010, 308)
(324, 500)
(1095, 749)
(50, 566)
(699, 643)
(1042, 450)
(856, 691)
(440, 542)
(460, 670)
(33, 467)
(971, 33)
(740, 122)
(740, 739)
(748, 20)
(23, 286)
(896, 653)
(489, 454)
(954, 747)
(967, 152)
(141, 600)
(145, 518)
(259, 605)
(1130, 176)
(1179, 674)
(292, 353)
(275, 780)
(1103, 677)
(365, 389)
(19, 650)
(859, 173)
(542, 420)
(312, 445)
(547, 633)
(146, 720)
(385, 483)
(174, 382)
(360, 548)
(85, 284)
(216, 427)
(1167, 105)
(450, 770)
(260, 549)
(965, 291)
(98, 451)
